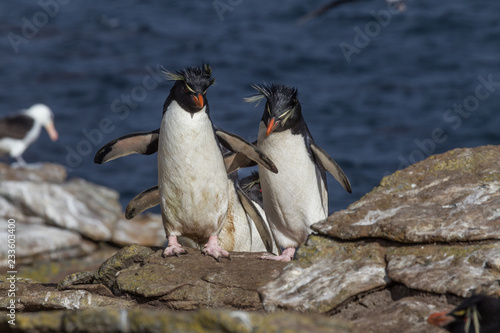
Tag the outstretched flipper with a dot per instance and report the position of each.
(254, 214)
(142, 201)
(331, 166)
(234, 161)
(145, 143)
(239, 145)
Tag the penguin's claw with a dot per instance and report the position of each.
(175, 250)
(214, 250)
(286, 256)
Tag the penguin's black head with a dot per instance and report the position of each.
(190, 87)
(282, 109)
(474, 314)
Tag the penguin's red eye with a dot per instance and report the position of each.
(186, 90)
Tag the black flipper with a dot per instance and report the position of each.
(142, 201)
(145, 143)
(331, 166)
(239, 145)
(234, 161)
(254, 214)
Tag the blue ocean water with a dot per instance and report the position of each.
(379, 89)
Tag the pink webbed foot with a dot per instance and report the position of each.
(286, 255)
(214, 250)
(173, 248)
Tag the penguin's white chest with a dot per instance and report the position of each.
(191, 175)
(296, 196)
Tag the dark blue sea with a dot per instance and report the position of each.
(380, 89)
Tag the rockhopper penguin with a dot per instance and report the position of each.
(476, 314)
(194, 191)
(297, 196)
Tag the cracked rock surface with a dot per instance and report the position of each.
(446, 198)
(419, 243)
(432, 229)
(187, 282)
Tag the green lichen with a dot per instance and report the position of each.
(458, 251)
(126, 257)
(40, 322)
(480, 161)
(87, 277)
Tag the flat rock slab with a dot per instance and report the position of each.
(325, 274)
(408, 315)
(146, 320)
(41, 242)
(77, 205)
(195, 281)
(454, 196)
(459, 269)
(36, 296)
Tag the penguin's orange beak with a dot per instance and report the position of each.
(198, 101)
(440, 319)
(50, 128)
(271, 126)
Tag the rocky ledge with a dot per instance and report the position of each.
(427, 237)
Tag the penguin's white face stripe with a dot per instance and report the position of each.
(192, 177)
(295, 197)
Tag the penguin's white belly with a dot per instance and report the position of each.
(296, 196)
(192, 178)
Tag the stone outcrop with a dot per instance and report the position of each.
(57, 218)
(146, 320)
(189, 282)
(432, 228)
(424, 239)
(453, 197)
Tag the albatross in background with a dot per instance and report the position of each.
(20, 130)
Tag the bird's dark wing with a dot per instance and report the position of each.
(144, 200)
(258, 220)
(234, 161)
(331, 166)
(16, 126)
(320, 11)
(145, 143)
(239, 145)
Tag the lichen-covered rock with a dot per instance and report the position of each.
(107, 272)
(459, 269)
(452, 199)
(189, 282)
(144, 320)
(35, 297)
(126, 257)
(196, 281)
(408, 315)
(449, 197)
(424, 239)
(325, 274)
